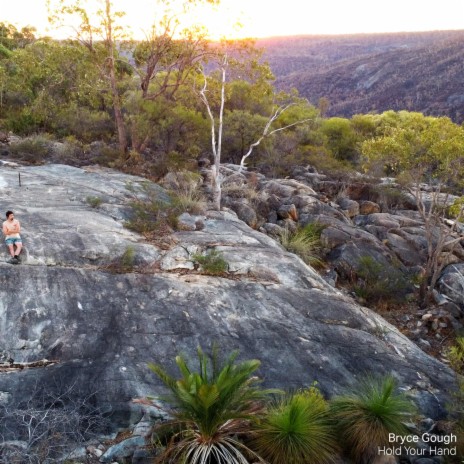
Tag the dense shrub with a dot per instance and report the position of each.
(33, 149)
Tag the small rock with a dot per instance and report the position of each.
(288, 212)
(273, 230)
(177, 258)
(453, 309)
(143, 428)
(368, 207)
(246, 213)
(424, 343)
(350, 207)
(190, 223)
(123, 450)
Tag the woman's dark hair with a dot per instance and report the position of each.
(8, 214)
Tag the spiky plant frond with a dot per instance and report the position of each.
(213, 407)
(297, 430)
(366, 416)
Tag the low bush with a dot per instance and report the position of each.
(211, 263)
(155, 211)
(365, 417)
(305, 242)
(33, 149)
(124, 263)
(94, 202)
(374, 284)
(152, 210)
(391, 197)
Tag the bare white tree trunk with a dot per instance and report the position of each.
(216, 146)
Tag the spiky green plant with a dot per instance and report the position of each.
(295, 430)
(304, 242)
(366, 416)
(212, 262)
(212, 409)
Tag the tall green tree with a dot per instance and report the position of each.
(99, 33)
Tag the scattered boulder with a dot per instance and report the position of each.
(188, 222)
(288, 212)
(451, 283)
(245, 213)
(349, 207)
(368, 207)
(123, 450)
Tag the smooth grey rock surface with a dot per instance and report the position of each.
(102, 328)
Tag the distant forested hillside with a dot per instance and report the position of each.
(374, 72)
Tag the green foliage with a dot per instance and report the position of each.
(21, 121)
(325, 162)
(429, 148)
(456, 210)
(365, 417)
(128, 258)
(212, 408)
(186, 193)
(108, 155)
(341, 138)
(11, 38)
(32, 149)
(296, 429)
(304, 242)
(456, 355)
(374, 284)
(94, 202)
(150, 213)
(212, 263)
(154, 211)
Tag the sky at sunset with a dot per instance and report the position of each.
(264, 18)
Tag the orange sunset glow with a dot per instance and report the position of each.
(261, 18)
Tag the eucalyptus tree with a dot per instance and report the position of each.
(99, 33)
(429, 150)
(241, 59)
(161, 62)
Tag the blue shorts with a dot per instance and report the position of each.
(13, 240)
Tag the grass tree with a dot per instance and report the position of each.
(297, 429)
(212, 409)
(367, 415)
